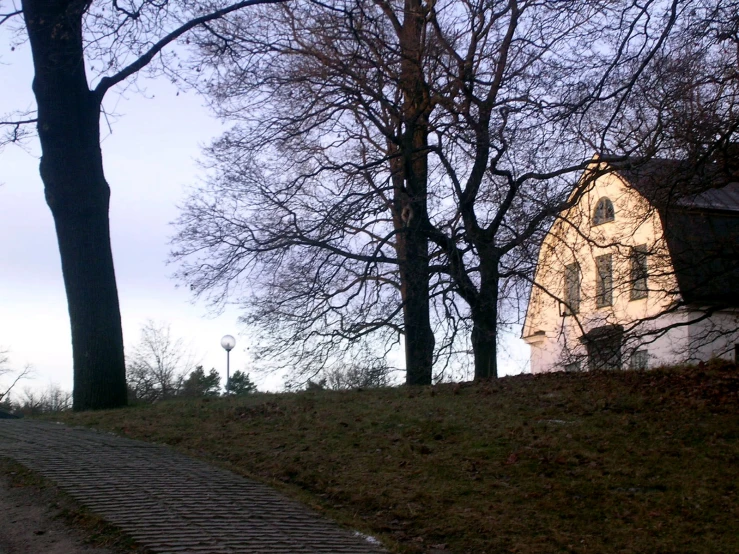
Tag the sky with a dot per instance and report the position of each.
(150, 154)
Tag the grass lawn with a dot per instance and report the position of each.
(591, 462)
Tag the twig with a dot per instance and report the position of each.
(20, 376)
(6, 16)
(107, 82)
(14, 134)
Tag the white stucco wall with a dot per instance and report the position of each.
(555, 338)
(716, 337)
(665, 339)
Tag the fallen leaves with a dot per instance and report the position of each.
(528, 464)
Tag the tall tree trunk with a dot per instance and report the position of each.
(78, 196)
(414, 266)
(412, 251)
(412, 202)
(419, 338)
(485, 319)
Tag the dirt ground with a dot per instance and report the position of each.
(29, 522)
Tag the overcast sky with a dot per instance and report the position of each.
(150, 158)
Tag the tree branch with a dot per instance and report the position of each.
(107, 82)
(6, 16)
(19, 122)
(22, 375)
(15, 134)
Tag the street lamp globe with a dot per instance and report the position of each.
(228, 342)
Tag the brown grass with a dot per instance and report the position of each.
(593, 462)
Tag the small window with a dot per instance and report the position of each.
(603, 280)
(605, 353)
(639, 360)
(604, 347)
(572, 289)
(573, 367)
(603, 211)
(639, 272)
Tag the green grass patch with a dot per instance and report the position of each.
(591, 462)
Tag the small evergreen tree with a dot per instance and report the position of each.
(200, 384)
(240, 383)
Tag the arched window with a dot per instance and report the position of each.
(603, 211)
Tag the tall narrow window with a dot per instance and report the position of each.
(572, 288)
(604, 280)
(639, 272)
(603, 211)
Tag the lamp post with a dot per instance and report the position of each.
(228, 342)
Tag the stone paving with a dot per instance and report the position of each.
(168, 502)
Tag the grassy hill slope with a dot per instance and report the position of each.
(591, 462)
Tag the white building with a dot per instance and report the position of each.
(641, 271)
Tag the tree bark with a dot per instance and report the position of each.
(485, 320)
(78, 195)
(412, 249)
(419, 338)
(414, 269)
(414, 266)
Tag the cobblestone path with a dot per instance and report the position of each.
(169, 502)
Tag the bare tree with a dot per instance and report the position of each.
(15, 376)
(381, 221)
(461, 126)
(159, 364)
(123, 37)
(36, 402)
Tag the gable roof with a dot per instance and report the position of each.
(670, 184)
(724, 199)
(704, 248)
(699, 211)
